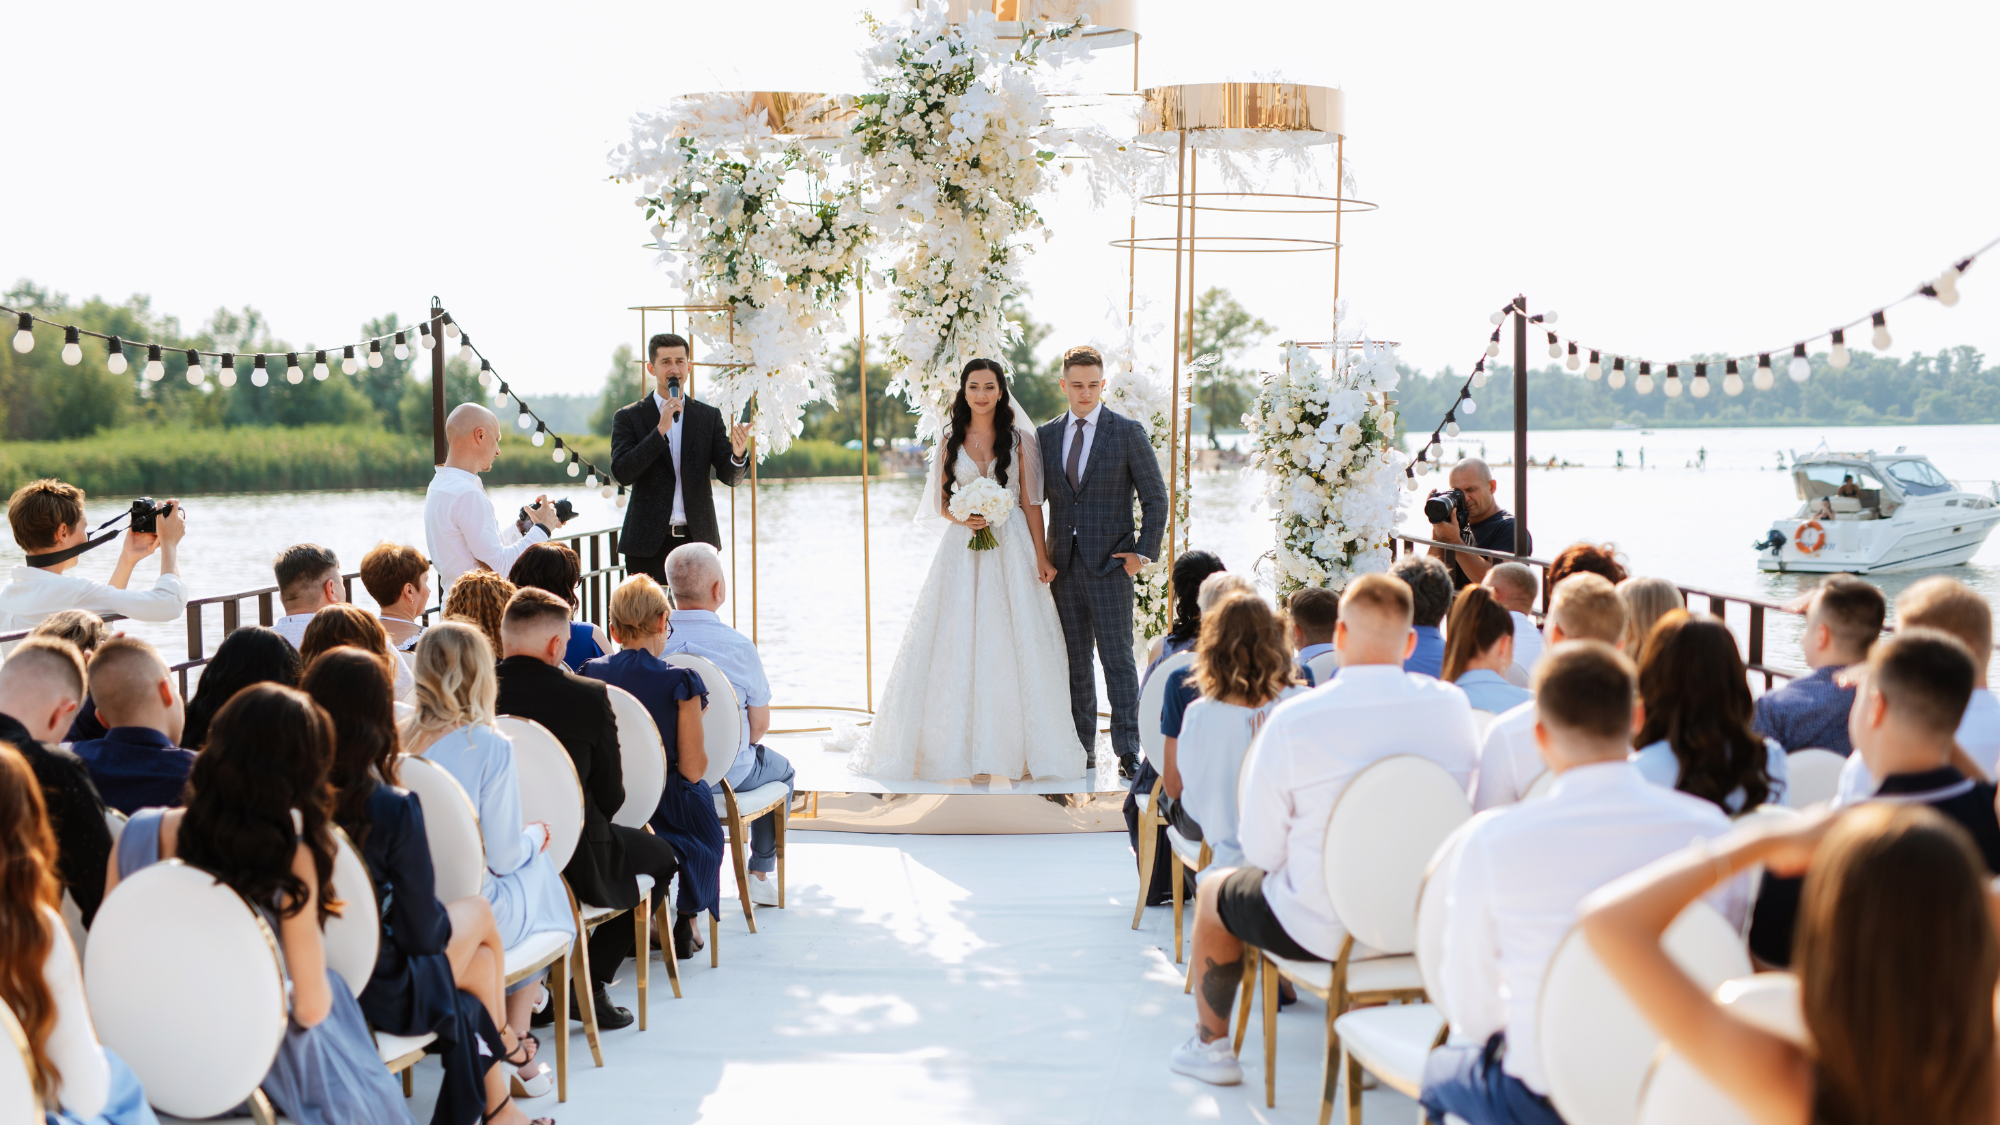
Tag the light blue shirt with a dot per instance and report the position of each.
(1428, 656)
(699, 632)
(1306, 654)
(1659, 766)
(1489, 691)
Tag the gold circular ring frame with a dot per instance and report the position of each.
(1264, 202)
(1228, 244)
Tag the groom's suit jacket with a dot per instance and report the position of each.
(1097, 512)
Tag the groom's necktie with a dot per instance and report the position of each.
(1075, 455)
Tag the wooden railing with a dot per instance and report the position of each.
(602, 569)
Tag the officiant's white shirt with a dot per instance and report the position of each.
(680, 515)
(1070, 434)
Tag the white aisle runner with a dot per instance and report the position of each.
(930, 979)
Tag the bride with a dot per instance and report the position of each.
(980, 683)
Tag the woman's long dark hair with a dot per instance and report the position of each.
(1697, 698)
(548, 566)
(352, 687)
(268, 753)
(1189, 571)
(249, 655)
(961, 421)
(1476, 624)
(27, 885)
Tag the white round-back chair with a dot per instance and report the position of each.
(451, 826)
(1675, 1092)
(550, 790)
(1813, 777)
(721, 722)
(1152, 703)
(1323, 666)
(643, 756)
(1544, 781)
(354, 935)
(20, 1098)
(721, 731)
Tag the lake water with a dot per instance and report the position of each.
(1692, 525)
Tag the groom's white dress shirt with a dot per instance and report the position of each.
(1072, 433)
(1309, 750)
(1521, 875)
(462, 531)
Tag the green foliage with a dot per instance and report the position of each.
(805, 458)
(1224, 327)
(889, 418)
(461, 384)
(620, 387)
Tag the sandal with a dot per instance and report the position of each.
(486, 1118)
(521, 1042)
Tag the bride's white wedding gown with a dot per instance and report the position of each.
(981, 680)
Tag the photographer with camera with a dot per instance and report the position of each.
(459, 525)
(1468, 513)
(47, 518)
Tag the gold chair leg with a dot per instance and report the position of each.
(714, 943)
(1270, 975)
(642, 951)
(780, 834)
(559, 997)
(668, 948)
(1249, 987)
(1177, 867)
(586, 997)
(1330, 1086)
(409, 1085)
(1147, 834)
(739, 839)
(1353, 1089)
(260, 1109)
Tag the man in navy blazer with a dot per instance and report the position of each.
(1094, 461)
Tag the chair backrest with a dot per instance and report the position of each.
(1482, 720)
(722, 723)
(1676, 1092)
(20, 1098)
(1153, 700)
(451, 825)
(643, 755)
(1386, 826)
(115, 821)
(550, 789)
(185, 984)
(1595, 1045)
(353, 936)
(1432, 918)
(1544, 781)
(1813, 777)
(1323, 666)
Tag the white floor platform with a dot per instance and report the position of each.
(930, 979)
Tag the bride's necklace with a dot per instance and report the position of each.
(979, 446)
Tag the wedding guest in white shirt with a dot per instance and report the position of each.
(1308, 751)
(1310, 615)
(47, 519)
(1583, 607)
(308, 577)
(1521, 877)
(1478, 650)
(398, 577)
(1949, 606)
(1514, 586)
(459, 524)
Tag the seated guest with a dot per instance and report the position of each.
(480, 597)
(1310, 748)
(1646, 601)
(1843, 619)
(439, 967)
(398, 577)
(308, 581)
(577, 710)
(1911, 699)
(86, 631)
(39, 687)
(1241, 671)
(1480, 650)
(1521, 877)
(41, 982)
(675, 697)
(1431, 589)
(554, 567)
(1587, 558)
(452, 725)
(1696, 735)
(1190, 571)
(696, 580)
(1310, 615)
(349, 624)
(250, 654)
(139, 762)
(1897, 961)
(49, 526)
(1584, 608)
(260, 819)
(1514, 586)
(1949, 606)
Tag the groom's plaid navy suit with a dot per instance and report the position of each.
(1088, 523)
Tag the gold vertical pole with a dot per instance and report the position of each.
(1173, 425)
(749, 451)
(1194, 212)
(1132, 251)
(867, 443)
(1339, 184)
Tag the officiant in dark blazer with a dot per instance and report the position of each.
(663, 448)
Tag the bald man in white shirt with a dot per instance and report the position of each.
(459, 525)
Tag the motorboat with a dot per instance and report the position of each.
(1870, 513)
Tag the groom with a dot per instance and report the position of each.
(1094, 462)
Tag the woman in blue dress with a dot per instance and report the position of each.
(452, 726)
(259, 819)
(555, 568)
(675, 697)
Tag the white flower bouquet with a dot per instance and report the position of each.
(983, 497)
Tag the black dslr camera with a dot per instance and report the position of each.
(565, 512)
(146, 513)
(1446, 506)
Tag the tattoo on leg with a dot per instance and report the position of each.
(1219, 980)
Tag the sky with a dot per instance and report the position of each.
(1698, 177)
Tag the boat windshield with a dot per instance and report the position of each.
(1918, 478)
(1820, 480)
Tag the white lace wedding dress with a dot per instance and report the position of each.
(981, 680)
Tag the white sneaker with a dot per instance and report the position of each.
(763, 892)
(1213, 1063)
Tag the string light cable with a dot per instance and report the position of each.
(534, 425)
(368, 350)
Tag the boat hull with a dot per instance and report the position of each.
(1933, 539)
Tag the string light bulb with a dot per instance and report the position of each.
(465, 347)
(1617, 377)
(1555, 348)
(115, 362)
(1572, 362)
(526, 421)
(1673, 387)
(1644, 383)
(260, 375)
(402, 347)
(1451, 423)
(1945, 288)
(1763, 379)
(195, 374)
(24, 335)
(348, 363)
(557, 455)
(225, 370)
(424, 337)
(374, 353)
(1800, 369)
(155, 369)
(573, 470)
(1479, 374)
(1493, 345)
(1699, 388)
(605, 492)
(1498, 317)
(72, 349)
(540, 436)
(1466, 404)
(1547, 318)
(320, 369)
(1732, 380)
(1594, 370)
(450, 327)
(1881, 340)
(486, 373)
(1836, 357)
(621, 496)
(292, 373)
(590, 481)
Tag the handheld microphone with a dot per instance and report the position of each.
(673, 387)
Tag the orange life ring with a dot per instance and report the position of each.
(1818, 538)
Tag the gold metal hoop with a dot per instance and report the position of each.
(1229, 244)
(1311, 204)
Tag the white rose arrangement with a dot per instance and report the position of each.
(983, 497)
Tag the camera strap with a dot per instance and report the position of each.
(68, 553)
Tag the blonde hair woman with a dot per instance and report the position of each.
(452, 726)
(1646, 601)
